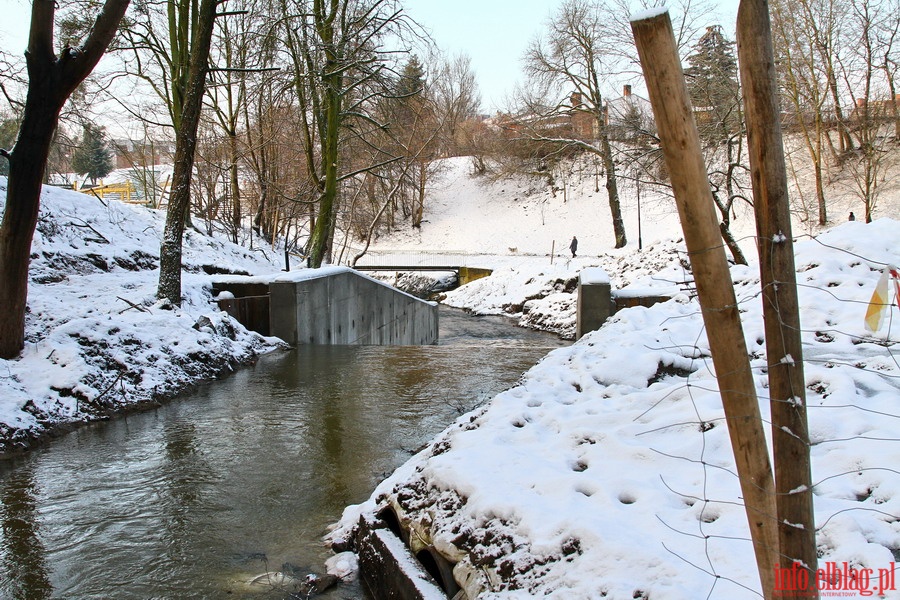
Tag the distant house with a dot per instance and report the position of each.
(130, 153)
(625, 118)
(628, 115)
(879, 110)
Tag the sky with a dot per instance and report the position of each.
(494, 33)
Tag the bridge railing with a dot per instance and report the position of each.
(419, 258)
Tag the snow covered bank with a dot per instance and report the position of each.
(96, 340)
(608, 471)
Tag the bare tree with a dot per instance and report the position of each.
(237, 59)
(340, 62)
(716, 97)
(874, 26)
(801, 36)
(571, 61)
(51, 80)
(455, 94)
(887, 36)
(190, 103)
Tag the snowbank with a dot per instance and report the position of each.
(608, 471)
(97, 342)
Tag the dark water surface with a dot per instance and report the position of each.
(199, 497)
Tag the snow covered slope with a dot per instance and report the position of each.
(608, 472)
(96, 340)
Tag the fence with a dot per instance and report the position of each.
(393, 258)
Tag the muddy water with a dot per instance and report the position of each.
(201, 496)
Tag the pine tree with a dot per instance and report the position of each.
(93, 157)
(412, 78)
(713, 86)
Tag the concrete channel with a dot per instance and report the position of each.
(338, 305)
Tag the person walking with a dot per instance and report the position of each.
(573, 246)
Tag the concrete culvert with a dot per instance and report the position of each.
(440, 568)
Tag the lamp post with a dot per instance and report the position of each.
(637, 183)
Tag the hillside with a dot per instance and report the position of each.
(512, 225)
(512, 218)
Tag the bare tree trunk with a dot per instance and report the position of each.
(419, 212)
(790, 432)
(319, 246)
(51, 80)
(820, 192)
(23, 194)
(612, 190)
(680, 143)
(234, 185)
(609, 165)
(185, 143)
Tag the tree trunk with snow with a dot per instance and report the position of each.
(185, 143)
(51, 80)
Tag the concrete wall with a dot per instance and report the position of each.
(250, 304)
(594, 305)
(470, 274)
(344, 307)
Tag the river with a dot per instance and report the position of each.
(197, 498)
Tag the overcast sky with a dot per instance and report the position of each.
(493, 33)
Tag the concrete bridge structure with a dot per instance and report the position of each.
(464, 274)
(331, 305)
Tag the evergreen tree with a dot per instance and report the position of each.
(713, 85)
(93, 157)
(412, 78)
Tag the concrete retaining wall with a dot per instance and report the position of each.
(343, 307)
(594, 304)
(597, 302)
(470, 274)
(388, 568)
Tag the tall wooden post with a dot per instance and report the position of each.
(680, 142)
(784, 354)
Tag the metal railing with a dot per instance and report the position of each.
(418, 258)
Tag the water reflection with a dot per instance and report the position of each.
(22, 555)
(199, 497)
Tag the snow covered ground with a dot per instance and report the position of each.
(97, 342)
(608, 471)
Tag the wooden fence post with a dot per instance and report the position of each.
(778, 276)
(680, 143)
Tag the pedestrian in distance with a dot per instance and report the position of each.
(573, 246)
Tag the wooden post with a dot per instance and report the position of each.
(680, 142)
(784, 354)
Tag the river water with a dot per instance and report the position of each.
(201, 496)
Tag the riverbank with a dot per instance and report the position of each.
(609, 471)
(97, 341)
